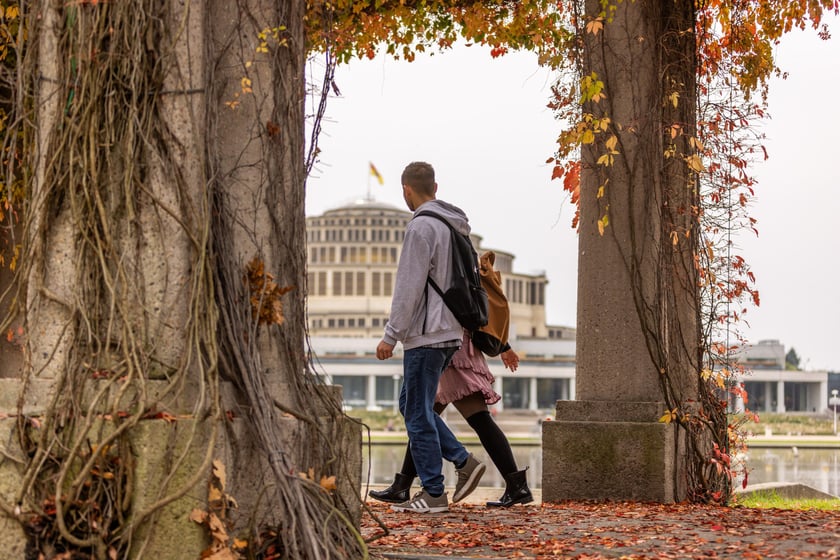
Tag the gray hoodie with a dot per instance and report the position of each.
(418, 315)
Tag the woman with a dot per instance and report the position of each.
(468, 384)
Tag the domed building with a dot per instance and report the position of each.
(352, 254)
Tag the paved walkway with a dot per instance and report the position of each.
(592, 530)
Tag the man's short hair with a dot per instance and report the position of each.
(420, 176)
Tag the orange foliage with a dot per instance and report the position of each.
(265, 294)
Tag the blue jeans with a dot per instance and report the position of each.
(429, 437)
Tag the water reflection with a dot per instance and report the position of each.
(818, 468)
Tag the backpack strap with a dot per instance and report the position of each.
(451, 230)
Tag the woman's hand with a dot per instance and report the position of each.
(510, 359)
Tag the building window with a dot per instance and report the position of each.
(348, 283)
(387, 390)
(515, 392)
(322, 283)
(341, 323)
(353, 389)
(336, 287)
(388, 281)
(376, 284)
(360, 283)
(549, 391)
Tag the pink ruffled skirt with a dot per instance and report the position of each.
(467, 373)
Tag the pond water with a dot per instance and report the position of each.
(818, 468)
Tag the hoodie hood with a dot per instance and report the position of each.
(450, 212)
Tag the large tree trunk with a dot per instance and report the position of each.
(168, 203)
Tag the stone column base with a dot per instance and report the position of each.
(608, 450)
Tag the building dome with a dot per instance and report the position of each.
(352, 256)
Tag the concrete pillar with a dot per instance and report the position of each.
(636, 315)
(820, 399)
(532, 394)
(370, 396)
(780, 396)
(768, 396)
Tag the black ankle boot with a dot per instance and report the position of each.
(516, 491)
(397, 493)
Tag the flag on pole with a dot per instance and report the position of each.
(375, 173)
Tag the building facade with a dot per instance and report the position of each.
(352, 255)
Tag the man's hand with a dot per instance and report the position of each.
(510, 359)
(385, 350)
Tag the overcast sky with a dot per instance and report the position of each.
(484, 125)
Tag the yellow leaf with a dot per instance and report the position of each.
(601, 191)
(246, 85)
(667, 417)
(695, 163)
(675, 238)
(239, 543)
(214, 494)
(674, 98)
(605, 160)
(696, 144)
(595, 26)
(611, 143)
(588, 137)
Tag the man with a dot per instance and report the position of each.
(430, 335)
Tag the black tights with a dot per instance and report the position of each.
(492, 439)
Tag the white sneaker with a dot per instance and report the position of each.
(422, 502)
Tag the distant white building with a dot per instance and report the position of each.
(772, 388)
(352, 255)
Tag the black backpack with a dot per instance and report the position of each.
(465, 297)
